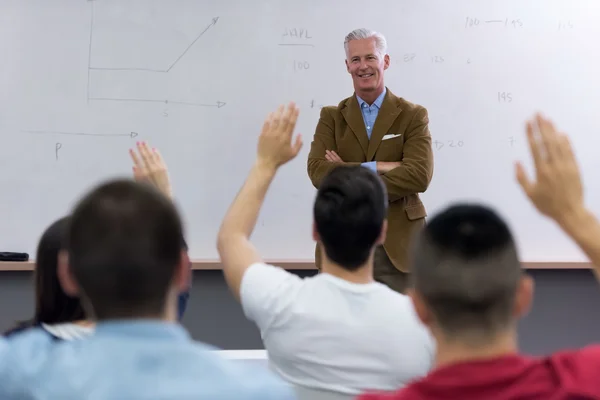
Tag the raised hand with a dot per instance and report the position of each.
(557, 191)
(148, 166)
(275, 145)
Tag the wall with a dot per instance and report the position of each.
(564, 313)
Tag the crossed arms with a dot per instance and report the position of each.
(411, 174)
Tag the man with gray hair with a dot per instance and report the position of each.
(386, 134)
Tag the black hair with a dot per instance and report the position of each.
(349, 212)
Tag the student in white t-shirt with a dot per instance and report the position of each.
(340, 330)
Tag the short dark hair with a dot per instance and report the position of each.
(52, 304)
(125, 243)
(466, 268)
(349, 212)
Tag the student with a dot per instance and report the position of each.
(58, 314)
(340, 331)
(149, 167)
(126, 264)
(470, 289)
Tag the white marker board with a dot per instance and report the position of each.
(81, 81)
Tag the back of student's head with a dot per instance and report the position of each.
(467, 273)
(349, 212)
(125, 250)
(52, 304)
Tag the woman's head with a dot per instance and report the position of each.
(52, 305)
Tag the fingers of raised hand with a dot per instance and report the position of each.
(140, 170)
(276, 118)
(297, 145)
(523, 179)
(549, 137)
(146, 154)
(158, 160)
(566, 149)
(534, 145)
(290, 118)
(283, 120)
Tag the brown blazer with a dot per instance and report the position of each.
(341, 128)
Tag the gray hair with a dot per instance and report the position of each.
(363, 33)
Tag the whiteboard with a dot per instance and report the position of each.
(81, 81)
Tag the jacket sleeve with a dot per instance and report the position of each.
(416, 171)
(324, 139)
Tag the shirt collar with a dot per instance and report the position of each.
(150, 329)
(377, 101)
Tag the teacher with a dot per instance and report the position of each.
(386, 134)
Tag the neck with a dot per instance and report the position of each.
(455, 351)
(363, 274)
(168, 314)
(85, 323)
(143, 317)
(371, 95)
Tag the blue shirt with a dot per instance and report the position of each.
(128, 361)
(369, 113)
(182, 301)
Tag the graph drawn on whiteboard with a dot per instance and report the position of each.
(96, 68)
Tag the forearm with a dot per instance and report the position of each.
(583, 227)
(318, 169)
(242, 215)
(233, 241)
(382, 167)
(406, 180)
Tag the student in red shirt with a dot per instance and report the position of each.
(469, 289)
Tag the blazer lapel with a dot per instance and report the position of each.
(389, 111)
(353, 116)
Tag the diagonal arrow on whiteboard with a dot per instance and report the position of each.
(213, 23)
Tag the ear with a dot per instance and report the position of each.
(347, 65)
(315, 234)
(524, 296)
(386, 61)
(183, 274)
(65, 276)
(420, 307)
(383, 234)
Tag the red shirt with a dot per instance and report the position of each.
(565, 375)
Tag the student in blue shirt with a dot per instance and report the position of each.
(126, 264)
(60, 315)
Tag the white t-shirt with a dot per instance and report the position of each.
(327, 333)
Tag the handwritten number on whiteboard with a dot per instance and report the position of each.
(301, 65)
(505, 97)
(57, 147)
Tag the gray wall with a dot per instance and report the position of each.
(564, 313)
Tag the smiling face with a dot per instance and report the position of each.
(366, 65)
